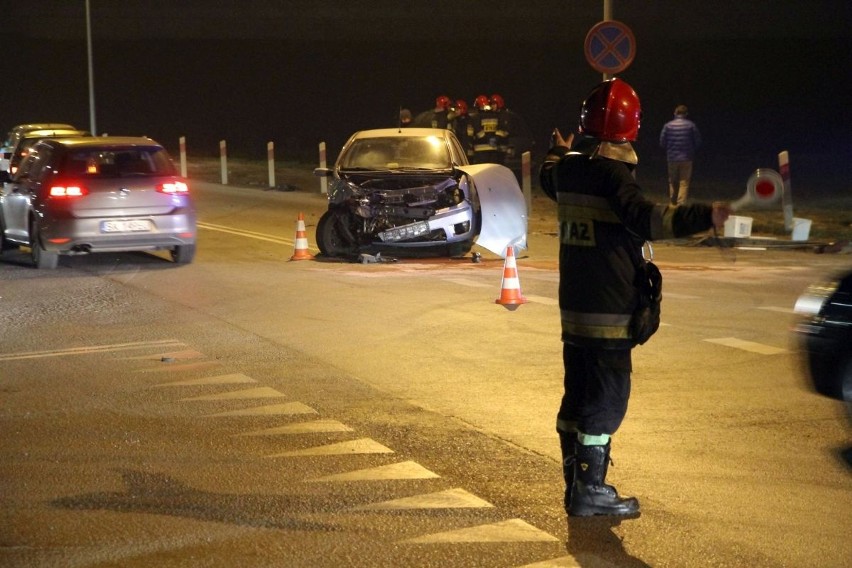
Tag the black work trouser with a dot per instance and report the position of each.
(597, 387)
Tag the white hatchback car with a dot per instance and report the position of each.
(97, 194)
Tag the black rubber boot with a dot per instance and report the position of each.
(568, 443)
(589, 494)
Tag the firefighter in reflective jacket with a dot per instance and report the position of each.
(491, 134)
(603, 222)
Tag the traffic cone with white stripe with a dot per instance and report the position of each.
(301, 250)
(510, 289)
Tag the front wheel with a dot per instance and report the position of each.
(183, 254)
(332, 239)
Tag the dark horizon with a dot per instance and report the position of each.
(753, 90)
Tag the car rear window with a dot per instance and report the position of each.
(118, 162)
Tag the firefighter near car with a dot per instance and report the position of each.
(603, 222)
(491, 130)
(438, 117)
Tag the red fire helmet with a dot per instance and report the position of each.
(611, 112)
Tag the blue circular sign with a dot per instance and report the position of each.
(610, 47)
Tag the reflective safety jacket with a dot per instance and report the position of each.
(490, 131)
(603, 222)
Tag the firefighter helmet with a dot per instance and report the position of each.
(611, 112)
(481, 102)
(461, 107)
(497, 102)
(443, 102)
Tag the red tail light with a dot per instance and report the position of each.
(67, 191)
(173, 187)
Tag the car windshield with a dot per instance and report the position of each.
(397, 153)
(118, 162)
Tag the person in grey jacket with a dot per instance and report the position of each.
(680, 138)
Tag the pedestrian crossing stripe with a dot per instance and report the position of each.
(360, 446)
(312, 427)
(175, 367)
(749, 346)
(260, 392)
(394, 471)
(513, 530)
(456, 498)
(235, 378)
(185, 354)
(269, 410)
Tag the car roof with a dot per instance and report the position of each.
(96, 141)
(42, 125)
(401, 132)
(53, 133)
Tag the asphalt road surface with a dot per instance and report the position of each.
(249, 410)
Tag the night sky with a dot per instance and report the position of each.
(758, 77)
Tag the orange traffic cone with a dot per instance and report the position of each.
(301, 250)
(510, 289)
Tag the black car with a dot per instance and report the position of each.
(826, 336)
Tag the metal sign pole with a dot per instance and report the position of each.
(607, 16)
(91, 71)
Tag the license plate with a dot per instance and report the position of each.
(132, 226)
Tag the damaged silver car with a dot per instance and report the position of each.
(411, 192)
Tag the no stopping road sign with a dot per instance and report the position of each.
(610, 47)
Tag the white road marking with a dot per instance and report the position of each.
(542, 300)
(677, 296)
(456, 498)
(247, 234)
(394, 471)
(468, 282)
(749, 346)
(513, 530)
(91, 349)
(474, 284)
(175, 368)
(778, 309)
(312, 427)
(269, 410)
(259, 392)
(185, 354)
(235, 378)
(360, 446)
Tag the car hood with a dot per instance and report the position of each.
(504, 208)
